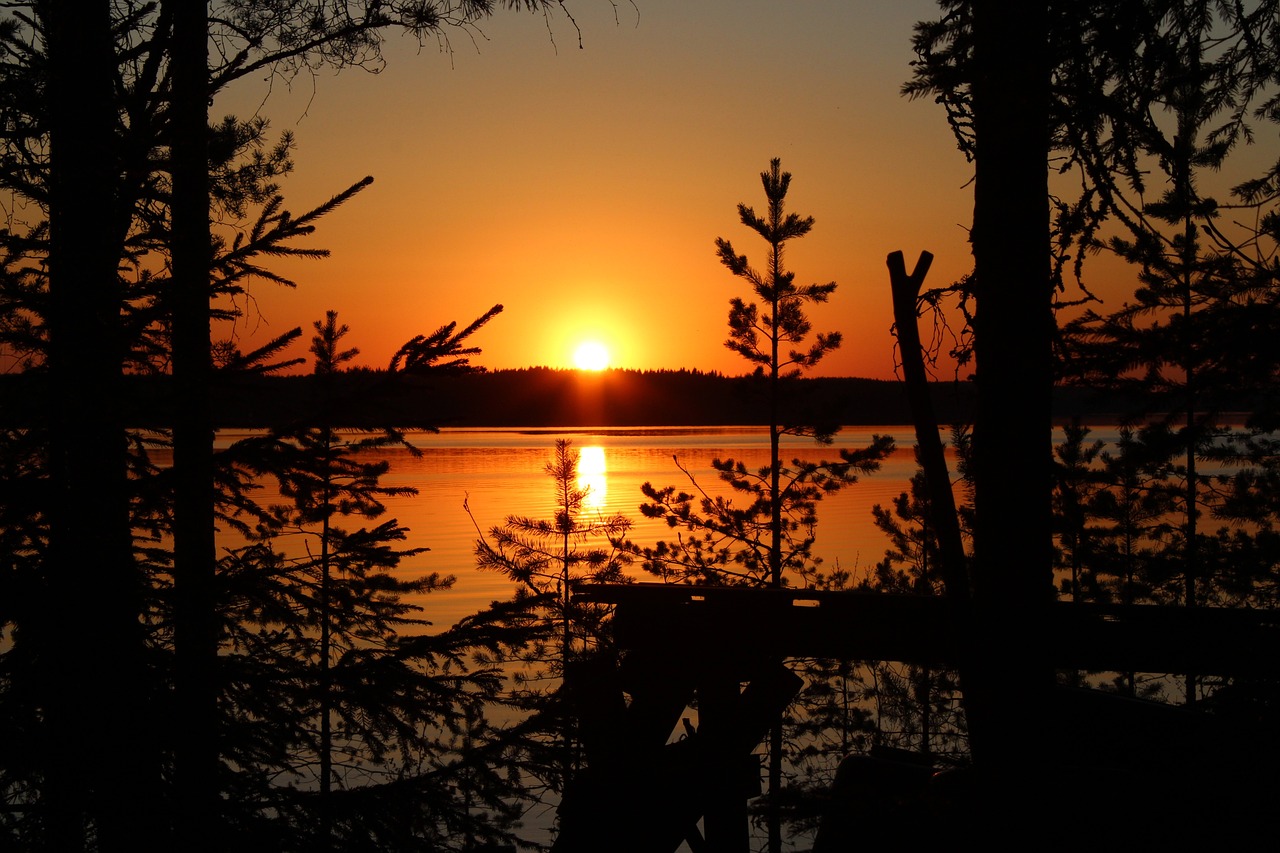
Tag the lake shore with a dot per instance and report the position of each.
(538, 397)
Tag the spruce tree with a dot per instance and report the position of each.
(767, 539)
(337, 688)
(1076, 486)
(1205, 283)
(916, 705)
(549, 559)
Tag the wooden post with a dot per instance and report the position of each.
(906, 288)
(725, 809)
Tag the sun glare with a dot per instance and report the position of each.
(592, 476)
(591, 355)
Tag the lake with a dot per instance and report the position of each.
(502, 472)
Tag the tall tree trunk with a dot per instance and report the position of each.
(774, 816)
(1184, 147)
(195, 626)
(326, 674)
(1013, 429)
(102, 767)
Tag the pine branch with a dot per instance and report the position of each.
(256, 361)
(442, 350)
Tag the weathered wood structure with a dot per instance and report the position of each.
(646, 790)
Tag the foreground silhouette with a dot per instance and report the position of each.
(645, 790)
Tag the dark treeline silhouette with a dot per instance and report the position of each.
(543, 397)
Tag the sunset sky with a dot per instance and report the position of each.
(584, 188)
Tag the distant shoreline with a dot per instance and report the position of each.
(540, 398)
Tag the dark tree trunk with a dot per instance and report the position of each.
(933, 461)
(102, 765)
(195, 626)
(1013, 428)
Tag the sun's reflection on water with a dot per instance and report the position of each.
(591, 476)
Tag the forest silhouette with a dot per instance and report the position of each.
(546, 397)
(1064, 641)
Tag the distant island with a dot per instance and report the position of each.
(533, 397)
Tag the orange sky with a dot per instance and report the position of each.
(584, 189)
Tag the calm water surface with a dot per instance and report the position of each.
(502, 472)
(498, 473)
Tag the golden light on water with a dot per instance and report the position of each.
(591, 476)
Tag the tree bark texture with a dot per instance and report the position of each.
(195, 626)
(103, 767)
(1013, 338)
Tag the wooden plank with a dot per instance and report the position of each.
(738, 626)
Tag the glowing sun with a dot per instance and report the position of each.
(591, 355)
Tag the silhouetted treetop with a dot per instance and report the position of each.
(775, 287)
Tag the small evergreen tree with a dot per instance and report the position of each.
(334, 683)
(549, 558)
(1077, 485)
(767, 540)
(329, 481)
(916, 706)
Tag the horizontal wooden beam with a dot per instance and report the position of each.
(730, 627)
